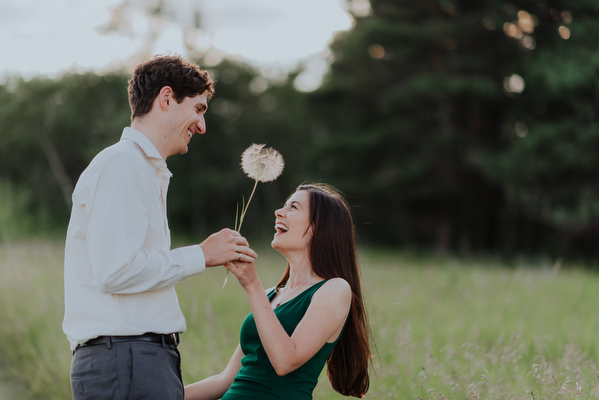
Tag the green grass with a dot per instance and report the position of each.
(445, 328)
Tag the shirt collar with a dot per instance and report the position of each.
(146, 146)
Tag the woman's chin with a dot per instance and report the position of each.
(275, 244)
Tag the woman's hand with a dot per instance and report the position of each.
(215, 386)
(246, 274)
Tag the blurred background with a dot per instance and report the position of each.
(455, 126)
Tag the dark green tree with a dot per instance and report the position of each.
(415, 88)
(547, 159)
(52, 128)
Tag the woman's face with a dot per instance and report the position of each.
(292, 225)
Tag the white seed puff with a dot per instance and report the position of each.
(263, 164)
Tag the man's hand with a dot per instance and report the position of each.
(226, 246)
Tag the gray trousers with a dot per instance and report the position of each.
(127, 371)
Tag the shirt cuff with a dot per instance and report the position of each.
(193, 259)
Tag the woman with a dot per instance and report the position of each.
(314, 315)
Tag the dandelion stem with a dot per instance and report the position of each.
(246, 206)
(238, 228)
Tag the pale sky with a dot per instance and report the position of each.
(49, 37)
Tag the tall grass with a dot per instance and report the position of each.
(33, 349)
(444, 328)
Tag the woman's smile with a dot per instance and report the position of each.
(280, 228)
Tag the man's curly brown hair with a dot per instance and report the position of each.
(185, 78)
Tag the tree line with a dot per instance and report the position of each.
(453, 125)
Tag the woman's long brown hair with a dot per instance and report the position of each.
(333, 254)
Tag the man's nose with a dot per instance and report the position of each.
(201, 125)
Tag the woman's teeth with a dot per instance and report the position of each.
(281, 228)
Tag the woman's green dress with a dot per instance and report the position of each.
(257, 378)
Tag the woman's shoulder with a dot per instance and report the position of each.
(337, 283)
(334, 289)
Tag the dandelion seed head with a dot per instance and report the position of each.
(263, 164)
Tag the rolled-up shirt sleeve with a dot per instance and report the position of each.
(127, 237)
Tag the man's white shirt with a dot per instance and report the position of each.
(119, 268)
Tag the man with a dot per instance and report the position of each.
(122, 316)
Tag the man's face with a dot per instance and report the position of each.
(185, 120)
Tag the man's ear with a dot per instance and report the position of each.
(165, 97)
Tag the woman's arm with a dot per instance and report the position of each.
(215, 386)
(322, 323)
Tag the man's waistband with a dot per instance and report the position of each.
(170, 339)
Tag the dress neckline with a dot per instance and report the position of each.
(297, 295)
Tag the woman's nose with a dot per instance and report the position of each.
(279, 213)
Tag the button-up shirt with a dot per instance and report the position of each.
(119, 268)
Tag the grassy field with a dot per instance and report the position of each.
(444, 328)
